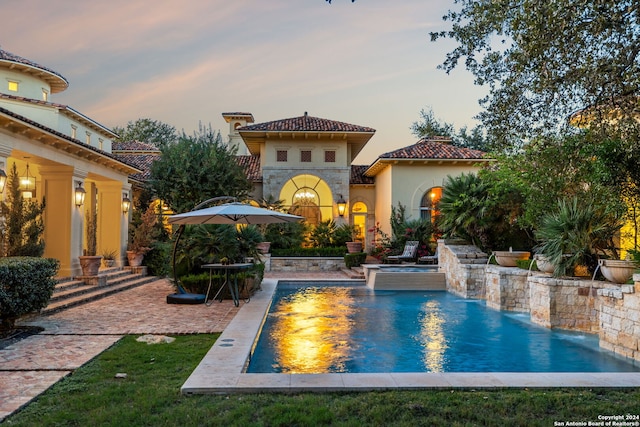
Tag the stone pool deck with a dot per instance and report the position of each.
(75, 336)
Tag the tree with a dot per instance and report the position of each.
(22, 228)
(197, 168)
(544, 60)
(430, 126)
(147, 130)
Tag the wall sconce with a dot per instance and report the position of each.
(3, 180)
(342, 205)
(126, 204)
(79, 194)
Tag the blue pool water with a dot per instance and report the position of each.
(328, 329)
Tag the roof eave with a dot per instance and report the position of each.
(64, 143)
(381, 163)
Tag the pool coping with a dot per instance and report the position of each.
(221, 371)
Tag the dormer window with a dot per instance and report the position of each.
(74, 131)
(101, 143)
(45, 95)
(88, 140)
(13, 86)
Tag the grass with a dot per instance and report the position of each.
(150, 396)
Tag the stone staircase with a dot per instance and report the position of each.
(71, 292)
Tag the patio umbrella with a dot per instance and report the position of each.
(233, 213)
(227, 213)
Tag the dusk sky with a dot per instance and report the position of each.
(369, 63)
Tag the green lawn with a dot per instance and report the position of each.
(150, 396)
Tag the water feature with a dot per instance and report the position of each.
(321, 329)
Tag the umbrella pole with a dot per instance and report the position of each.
(179, 233)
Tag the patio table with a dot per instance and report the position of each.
(231, 272)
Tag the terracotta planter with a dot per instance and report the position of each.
(617, 271)
(90, 264)
(135, 258)
(354, 247)
(509, 258)
(263, 247)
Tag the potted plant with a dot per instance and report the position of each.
(109, 258)
(142, 238)
(509, 258)
(89, 261)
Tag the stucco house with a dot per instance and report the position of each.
(59, 153)
(307, 162)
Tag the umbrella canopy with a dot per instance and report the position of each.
(233, 213)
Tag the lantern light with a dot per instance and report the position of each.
(126, 204)
(342, 204)
(79, 194)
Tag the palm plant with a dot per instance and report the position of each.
(462, 208)
(577, 233)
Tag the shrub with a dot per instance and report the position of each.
(158, 259)
(354, 260)
(26, 285)
(576, 233)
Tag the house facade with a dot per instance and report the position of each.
(61, 154)
(307, 162)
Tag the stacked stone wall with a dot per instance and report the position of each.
(619, 308)
(507, 288)
(464, 267)
(306, 264)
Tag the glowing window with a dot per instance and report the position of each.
(13, 86)
(429, 203)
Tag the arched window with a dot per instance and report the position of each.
(429, 204)
(308, 196)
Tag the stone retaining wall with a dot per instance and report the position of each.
(464, 267)
(306, 264)
(507, 288)
(619, 308)
(612, 311)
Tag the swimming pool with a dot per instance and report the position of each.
(353, 329)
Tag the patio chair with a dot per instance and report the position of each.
(409, 253)
(429, 259)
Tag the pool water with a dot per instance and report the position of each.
(353, 329)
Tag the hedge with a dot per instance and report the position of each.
(26, 285)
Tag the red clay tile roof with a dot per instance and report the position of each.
(133, 146)
(358, 177)
(251, 166)
(140, 161)
(56, 80)
(433, 148)
(305, 123)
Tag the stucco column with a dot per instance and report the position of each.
(63, 221)
(112, 221)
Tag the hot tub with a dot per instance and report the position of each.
(404, 277)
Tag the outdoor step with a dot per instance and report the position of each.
(354, 273)
(81, 288)
(85, 294)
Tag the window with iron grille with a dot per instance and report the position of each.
(305, 156)
(329, 156)
(281, 155)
